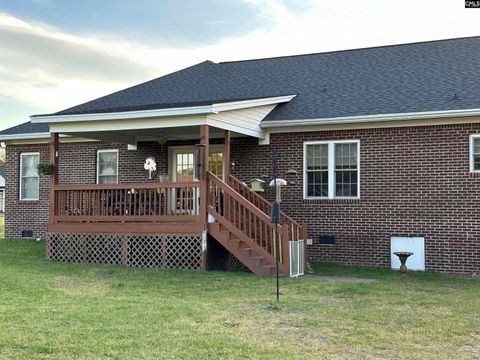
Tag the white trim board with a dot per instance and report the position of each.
(331, 169)
(214, 108)
(244, 121)
(28, 136)
(471, 160)
(371, 118)
(101, 151)
(36, 153)
(365, 125)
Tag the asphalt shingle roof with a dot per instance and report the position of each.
(26, 128)
(426, 76)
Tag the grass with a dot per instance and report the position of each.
(53, 310)
(2, 226)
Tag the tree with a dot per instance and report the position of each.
(2, 156)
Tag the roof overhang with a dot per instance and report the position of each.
(371, 118)
(31, 136)
(160, 113)
(242, 117)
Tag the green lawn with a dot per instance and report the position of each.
(61, 311)
(2, 226)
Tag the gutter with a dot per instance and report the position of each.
(31, 136)
(24, 136)
(370, 118)
(179, 111)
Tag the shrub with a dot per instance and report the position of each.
(45, 169)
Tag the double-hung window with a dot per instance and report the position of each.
(29, 181)
(331, 169)
(475, 153)
(107, 166)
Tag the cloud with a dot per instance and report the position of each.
(45, 67)
(75, 68)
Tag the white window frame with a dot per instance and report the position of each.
(21, 176)
(472, 163)
(331, 169)
(98, 162)
(174, 150)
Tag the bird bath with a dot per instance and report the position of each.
(403, 256)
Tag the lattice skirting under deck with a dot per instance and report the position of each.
(182, 251)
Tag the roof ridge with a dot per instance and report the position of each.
(348, 50)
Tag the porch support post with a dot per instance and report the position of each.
(226, 155)
(204, 140)
(54, 175)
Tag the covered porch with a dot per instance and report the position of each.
(166, 200)
(175, 203)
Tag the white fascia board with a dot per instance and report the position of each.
(40, 137)
(236, 105)
(24, 136)
(180, 111)
(125, 125)
(371, 118)
(126, 115)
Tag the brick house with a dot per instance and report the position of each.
(380, 148)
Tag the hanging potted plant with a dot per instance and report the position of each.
(45, 168)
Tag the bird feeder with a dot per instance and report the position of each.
(278, 183)
(257, 185)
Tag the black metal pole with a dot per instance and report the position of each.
(277, 250)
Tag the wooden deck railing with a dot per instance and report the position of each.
(296, 231)
(146, 202)
(230, 208)
(291, 230)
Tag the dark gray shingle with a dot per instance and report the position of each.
(26, 128)
(390, 79)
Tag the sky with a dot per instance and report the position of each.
(59, 53)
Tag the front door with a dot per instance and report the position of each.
(183, 170)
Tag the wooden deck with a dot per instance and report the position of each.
(127, 208)
(86, 212)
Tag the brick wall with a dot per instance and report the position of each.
(24, 215)
(414, 182)
(77, 166)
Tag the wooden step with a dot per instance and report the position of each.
(243, 248)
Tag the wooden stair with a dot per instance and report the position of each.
(244, 250)
(242, 226)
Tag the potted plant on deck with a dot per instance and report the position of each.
(45, 168)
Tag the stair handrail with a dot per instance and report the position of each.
(261, 216)
(291, 230)
(295, 228)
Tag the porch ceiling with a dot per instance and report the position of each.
(161, 135)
